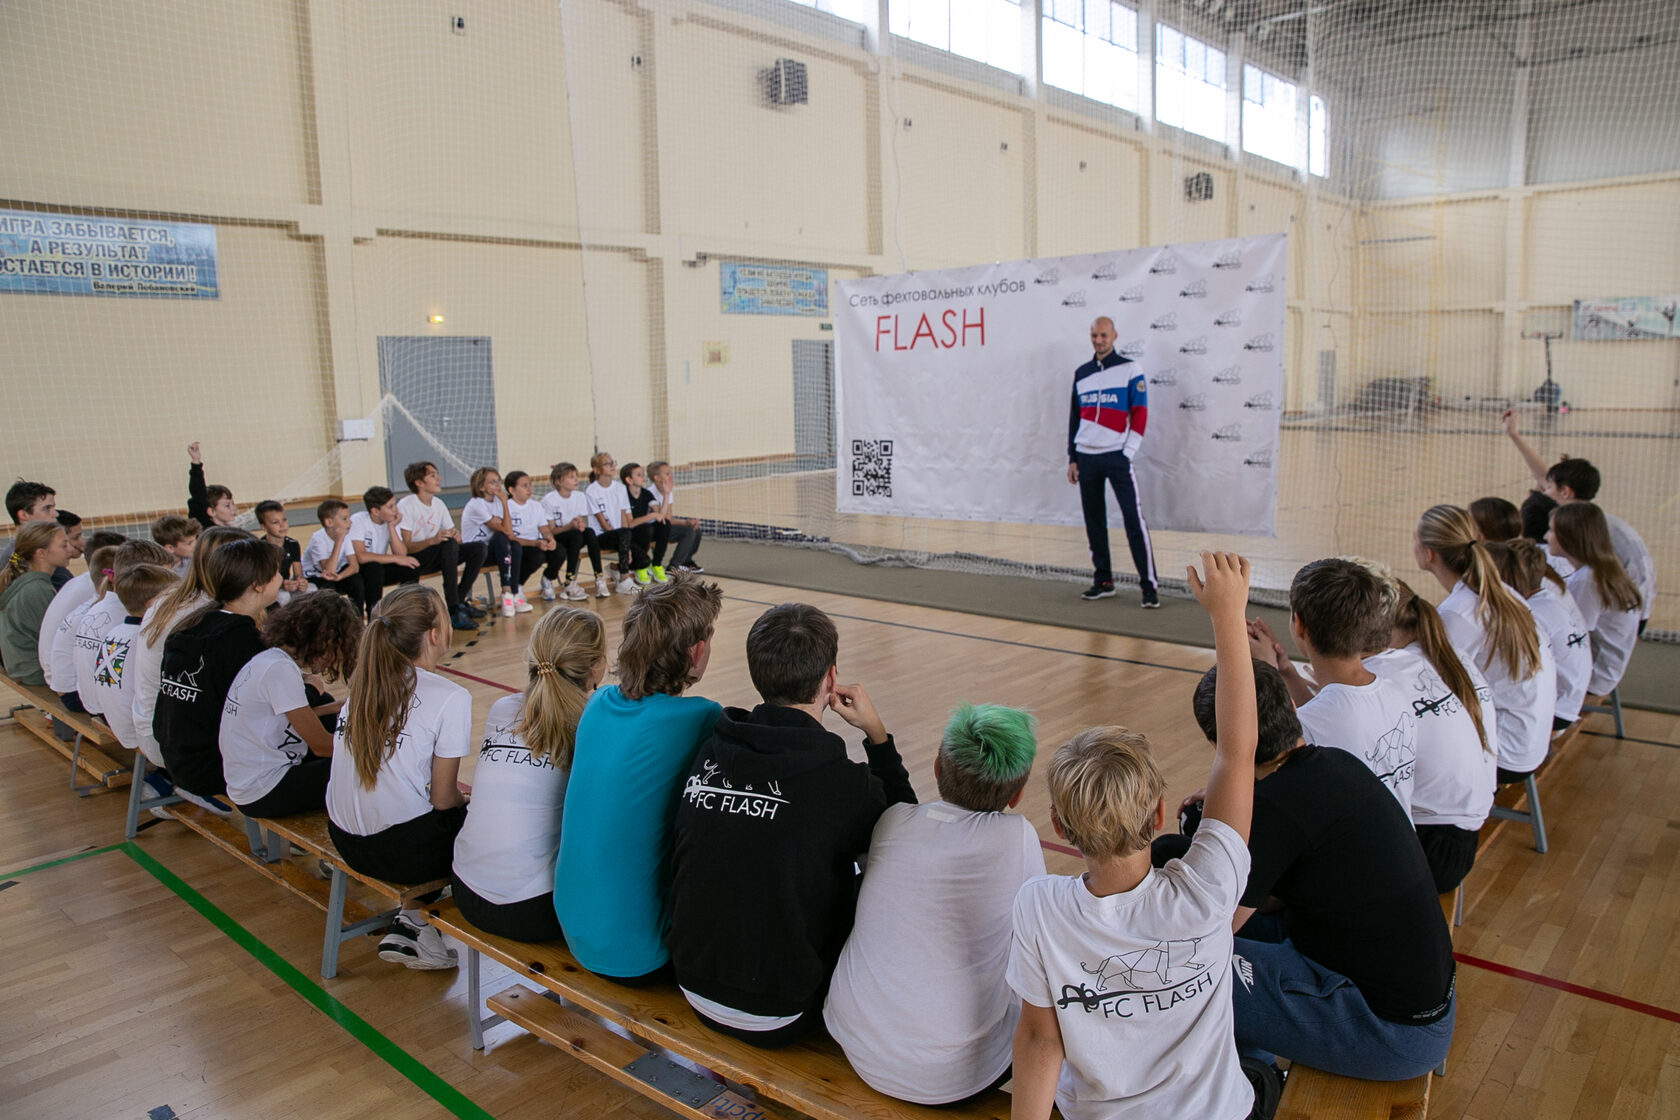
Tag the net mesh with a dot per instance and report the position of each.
(505, 233)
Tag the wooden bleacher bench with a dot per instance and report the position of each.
(95, 750)
(309, 832)
(1311, 1094)
(811, 1078)
(261, 845)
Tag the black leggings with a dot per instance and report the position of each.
(525, 561)
(458, 564)
(1450, 852)
(809, 1022)
(415, 851)
(531, 919)
(302, 789)
(648, 540)
(351, 587)
(617, 540)
(571, 543)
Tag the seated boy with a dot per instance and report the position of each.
(428, 534)
(329, 561)
(207, 505)
(1124, 973)
(78, 590)
(685, 531)
(26, 502)
(72, 525)
(1340, 612)
(772, 818)
(136, 586)
(277, 531)
(377, 550)
(918, 1001)
(1577, 480)
(1351, 970)
(179, 536)
(634, 745)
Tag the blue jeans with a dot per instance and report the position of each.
(1096, 474)
(1308, 1014)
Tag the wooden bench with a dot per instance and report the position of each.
(94, 750)
(1311, 1094)
(620, 1032)
(309, 832)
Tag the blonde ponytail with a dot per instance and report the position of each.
(382, 686)
(1418, 619)
(1512, 635)
(566, 645)
(31, 538)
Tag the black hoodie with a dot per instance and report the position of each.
(770, 823)
(199, 664)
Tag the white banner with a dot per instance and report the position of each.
(953, 388)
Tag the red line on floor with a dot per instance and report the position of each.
(1572, 989)
(480, 680)
(1062, 848)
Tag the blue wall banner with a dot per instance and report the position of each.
(772, 289)
(71, 254)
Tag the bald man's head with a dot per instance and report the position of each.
(1102, 336)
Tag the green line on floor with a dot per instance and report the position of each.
(62, 862)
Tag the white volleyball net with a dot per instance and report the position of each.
(516, 233)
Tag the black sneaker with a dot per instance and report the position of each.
(473, 609)
(1151, 601)
(1267, 1081)
(1097, 591)
(461, 620)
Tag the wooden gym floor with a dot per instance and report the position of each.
(162, 979)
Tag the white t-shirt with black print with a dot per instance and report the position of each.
(258, 742)
(439, 723)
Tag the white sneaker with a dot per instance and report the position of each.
(420, 947)
(507, 604)
(628, 586)
(573, 591)
(520, 605)
(602, 587)
(547, 590)
(215, 804)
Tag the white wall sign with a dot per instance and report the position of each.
(952, 388)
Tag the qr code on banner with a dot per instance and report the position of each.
(872, 468)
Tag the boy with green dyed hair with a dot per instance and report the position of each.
(919, 1000)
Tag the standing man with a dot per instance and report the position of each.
(1105, 428)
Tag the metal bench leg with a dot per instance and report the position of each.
(136, 794)
(335, 924)
(75, 763)
(1616, 709)
(1458, 906)
(1535, 818)
(254, 840)
(477, 1022)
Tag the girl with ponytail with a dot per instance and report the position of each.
(1522, 564)
(1492, 628)
(1610, 601)
(1453, 783)
(504, 856)
(393, 805)
(202, 658)
(26, 591)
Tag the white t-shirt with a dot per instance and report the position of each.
(422, 522)
(113, 683)
(61, 665)
(1141, 985)
(1373, 721)
(505, 852)
(475, 518)
(527, 520)
(1454, 780)
(1560, 620)
(1635, 559)
(561, 510)
(611, 501)
(919, 1001)
(374, 539)
(1525, 707)
(439, 723)
(1612, 632)
(319, 550)
(146, 663)
(258, 742)
(101, 615)
(72, 595)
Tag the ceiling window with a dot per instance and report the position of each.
(1189, 83)
(1268, 115)
(1090, 48)
(986, 30)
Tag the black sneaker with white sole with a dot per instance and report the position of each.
(1151, 601)
(1098, 591)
